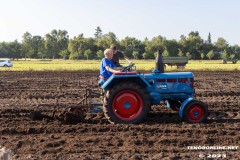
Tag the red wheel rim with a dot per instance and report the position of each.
(127, 105)
(196, 113)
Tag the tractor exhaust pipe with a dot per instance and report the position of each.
(159, 66)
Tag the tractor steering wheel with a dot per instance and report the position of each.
(127, 68)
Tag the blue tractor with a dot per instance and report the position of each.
(128, 95)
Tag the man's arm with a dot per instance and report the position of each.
(111, 70)
(127, 59)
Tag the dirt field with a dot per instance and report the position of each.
(162, 136)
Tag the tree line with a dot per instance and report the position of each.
(57, 44)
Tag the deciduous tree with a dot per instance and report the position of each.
(210, 55)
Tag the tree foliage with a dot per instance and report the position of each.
(98, 33)
(180, 53)
(210, 55)
(57, 44)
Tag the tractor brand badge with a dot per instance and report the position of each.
(162, 86)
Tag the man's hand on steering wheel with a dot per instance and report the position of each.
(128, 67)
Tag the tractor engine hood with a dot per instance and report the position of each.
(169, 75)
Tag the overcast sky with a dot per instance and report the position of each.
(134, 18)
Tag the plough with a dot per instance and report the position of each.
(72, 113)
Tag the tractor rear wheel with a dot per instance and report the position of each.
(195, 112)
(126, 103)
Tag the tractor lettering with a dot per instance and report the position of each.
(162, 86)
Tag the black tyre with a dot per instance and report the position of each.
(126, 103)
(195, 112)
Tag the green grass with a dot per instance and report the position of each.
(147, 65)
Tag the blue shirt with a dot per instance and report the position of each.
(103, 71)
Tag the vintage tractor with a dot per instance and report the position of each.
(128, 96)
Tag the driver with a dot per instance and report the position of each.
(116, 55)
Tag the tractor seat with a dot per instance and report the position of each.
(101, 80)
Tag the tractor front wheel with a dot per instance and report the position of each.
(195, 112)
(126, 103)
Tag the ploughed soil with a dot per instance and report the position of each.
(162, 136)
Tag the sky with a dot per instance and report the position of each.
(133, 18)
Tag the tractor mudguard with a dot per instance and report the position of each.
(115, 79)
(183, 106)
